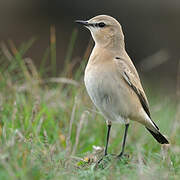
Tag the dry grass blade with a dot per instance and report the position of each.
(35, 108)
(164, 151)
(62, 80)
(39, 125)
(19, 135)
(140, 164)
(18, 57)
(80, 124)
(71, 46)
(71, 66)
(45, 138)
(32, 68)
(154, 60)
(88, 49)
(53, 48)
(28, 86)
(14, 112)
(5, 51)
(68, 143)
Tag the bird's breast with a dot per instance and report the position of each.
(94, 84)
(102, 88)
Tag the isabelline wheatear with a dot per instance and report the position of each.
(112, 81)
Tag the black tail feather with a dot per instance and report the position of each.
(159, 137)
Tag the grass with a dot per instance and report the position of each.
(48, 126)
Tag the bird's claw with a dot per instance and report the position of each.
(105, 160)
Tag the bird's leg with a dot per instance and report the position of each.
(124, 140)
(107, 139)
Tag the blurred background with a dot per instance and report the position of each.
(151, 31)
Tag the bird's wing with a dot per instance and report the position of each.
(131, 77)
(128, 77)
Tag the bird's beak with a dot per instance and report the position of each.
(85, 23)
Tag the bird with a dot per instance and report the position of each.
(112, 80)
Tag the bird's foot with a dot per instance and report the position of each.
(104, 161)
(106, 157)
(122, 155)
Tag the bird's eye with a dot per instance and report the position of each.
(101, 24)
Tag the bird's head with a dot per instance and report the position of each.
(105, 30)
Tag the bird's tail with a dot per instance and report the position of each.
(158, 136)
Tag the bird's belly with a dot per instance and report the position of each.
(102, 92)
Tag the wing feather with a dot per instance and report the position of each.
(131, 77)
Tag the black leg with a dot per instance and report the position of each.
(107, 138)
(124, 140)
